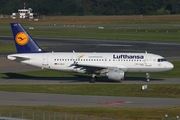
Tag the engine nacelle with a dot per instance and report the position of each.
(115, 74)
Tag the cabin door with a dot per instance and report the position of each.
(148, 61)
(45, 61)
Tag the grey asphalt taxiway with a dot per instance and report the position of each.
(169, 50)
(40, 99)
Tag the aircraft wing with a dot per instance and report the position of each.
(100, 67)
(90, 65)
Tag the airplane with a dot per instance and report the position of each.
(112, 65)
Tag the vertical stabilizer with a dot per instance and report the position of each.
(24, 42)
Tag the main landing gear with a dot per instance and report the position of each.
(93, 79)
(147, 77)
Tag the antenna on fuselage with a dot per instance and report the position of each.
(146, 52)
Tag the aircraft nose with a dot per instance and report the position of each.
(170, 66)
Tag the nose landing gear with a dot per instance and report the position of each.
(147, 77)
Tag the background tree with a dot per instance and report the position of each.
(93, 7)
(174, 6)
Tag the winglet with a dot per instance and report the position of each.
(23, 41)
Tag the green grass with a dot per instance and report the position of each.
(7, 47)
(152, 34)
(97, 20)
(129, 90)
(109, 112)
(111, 34)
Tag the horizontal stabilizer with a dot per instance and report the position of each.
(17, 58)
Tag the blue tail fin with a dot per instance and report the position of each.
(24, 42)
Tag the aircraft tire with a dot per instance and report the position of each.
(93, 80)
(148, 80)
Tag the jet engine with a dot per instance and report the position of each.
(115, 74)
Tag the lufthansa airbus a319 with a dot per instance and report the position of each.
(112, 65)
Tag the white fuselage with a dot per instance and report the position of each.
(64, 61)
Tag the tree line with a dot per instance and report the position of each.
(93, 7)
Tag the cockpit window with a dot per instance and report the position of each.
(161, 60)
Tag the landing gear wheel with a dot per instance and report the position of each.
(93, 79)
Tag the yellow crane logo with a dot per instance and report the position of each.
(22, 38)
